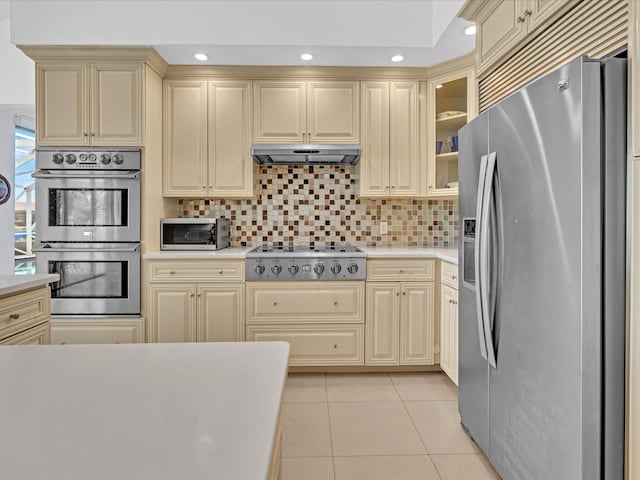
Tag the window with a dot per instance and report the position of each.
(25, 202)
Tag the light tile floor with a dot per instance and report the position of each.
(376, 426)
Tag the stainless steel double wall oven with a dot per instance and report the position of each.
(88, 223)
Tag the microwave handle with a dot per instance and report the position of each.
(49, 247)
(87, 174)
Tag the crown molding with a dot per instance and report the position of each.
(470, 9)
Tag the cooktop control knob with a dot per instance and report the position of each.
(70, 158)
(319, 268)
(83, 157)
(293, 269)
(276, 269)
(58, 158)
(335, 268)
(352, 268)
(118, 159)
(259, 269)
(105, 158)
(92, 157)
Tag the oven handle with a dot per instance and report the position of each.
(88, 174)
(48, 247)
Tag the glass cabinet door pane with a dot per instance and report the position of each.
(451, 115)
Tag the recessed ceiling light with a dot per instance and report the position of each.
(470, 30)
(306, 56)
(397, 58)
(439, 85)
(201, 56)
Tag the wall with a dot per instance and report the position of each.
(319, 205)
(18, 79)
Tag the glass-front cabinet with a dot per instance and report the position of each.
(451, 104)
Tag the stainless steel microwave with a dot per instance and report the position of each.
(194, 233)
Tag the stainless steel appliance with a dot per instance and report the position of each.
(194, 233)
(88, 195)
(542, 307)
(88, 219)
(297, 154)
(306, 263)
(95, 278)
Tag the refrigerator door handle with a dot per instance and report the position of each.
(487, 307)
(477, 263)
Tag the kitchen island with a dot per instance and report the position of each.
(205, 411)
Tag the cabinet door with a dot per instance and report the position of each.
(416, 323)
(220, 313)
(404, 162)
(62, 117)
(116, 104)
(382, 324)
(541, 10)
(500, 27)
(447, 297)
(229, 130)
(279, 111)
(97, 330)
(333, 112)
(172, 313)
(374, 163)
(185, 138)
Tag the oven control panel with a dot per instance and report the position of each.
(341, 268)
(81, 159)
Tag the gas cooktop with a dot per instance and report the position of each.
(298, 262)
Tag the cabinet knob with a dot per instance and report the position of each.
(335, 346)
(401, 271)
(86, 135)
(454, 277)
(204, 187)
(455, 303)
(386, 186)
(404, 293)
(14, 316)
(397, 294)
(520, 20)
(193, 295)
(335, 303)
(93, 134)
(430, 187)
(221, 272)
(63, 343)
(275, 304)
(450, 301)
(393, 186)
(527, 13)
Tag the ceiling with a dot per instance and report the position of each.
(253, 32)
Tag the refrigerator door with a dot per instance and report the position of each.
(544, 394)
(473, 369)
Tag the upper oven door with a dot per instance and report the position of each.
(95, 206)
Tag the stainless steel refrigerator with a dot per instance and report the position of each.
(542, 290)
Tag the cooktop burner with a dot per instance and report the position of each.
(302, 262)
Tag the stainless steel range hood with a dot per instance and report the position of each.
(304, 154)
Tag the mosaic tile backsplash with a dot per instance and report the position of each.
(319, 205)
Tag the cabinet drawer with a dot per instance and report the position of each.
(24, 310)
(449, 274)
(412, 270)
(34, 336)
(197, 270)
(89, 331)
(315, 344)
(303, 302)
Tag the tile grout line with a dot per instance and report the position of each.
(326, 395)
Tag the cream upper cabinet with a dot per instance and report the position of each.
(502, 25)
(451, 103)
(391, 158)
(315, 111)
(89, 104)
(185, 138)
(207, 138)
(449, 332)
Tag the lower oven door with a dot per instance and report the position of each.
(95, 279)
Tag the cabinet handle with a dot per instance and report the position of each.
(335, 346)
(193, 295)
(172, 272)
(401, 271)
(86, 135)
(387, 187)
(221, 272)
(393, 186)
(450, 301)
(93, 134)
(454, 277)
(404, 293)
(204, 187)
(454, 302)
(527, 13)
(14, 316)
(430, 187)
(520, 20)
(397, 294)
(63, 343)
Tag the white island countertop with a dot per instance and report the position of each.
(146, 411)
(18, 283)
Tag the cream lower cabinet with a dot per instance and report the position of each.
(392, 157)
(399, 326)
(449, 320)
(25, 317)
(196, 301)
(97, 330)
(313, 111)
(322, 321)
(89, 103)
(207, 138)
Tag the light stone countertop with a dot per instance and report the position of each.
(172, 410)
(449, 255)
(18, 283)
